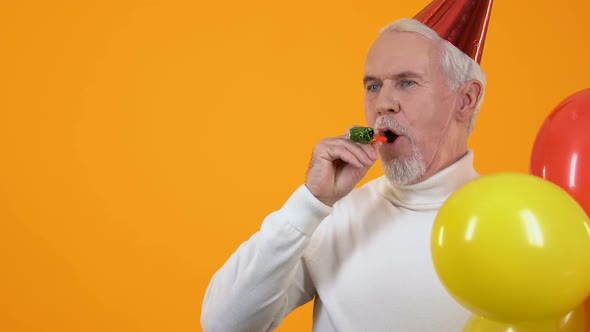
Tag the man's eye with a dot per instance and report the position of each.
(373, 88)
(407, 83)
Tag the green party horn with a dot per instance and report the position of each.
(364, 135)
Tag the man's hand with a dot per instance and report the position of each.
(337, 165)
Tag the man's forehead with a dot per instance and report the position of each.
(397, 43)
(400, 52)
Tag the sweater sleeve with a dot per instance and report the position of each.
(266, 278)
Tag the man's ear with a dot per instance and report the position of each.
(470, 94)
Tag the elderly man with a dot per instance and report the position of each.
(363, 255)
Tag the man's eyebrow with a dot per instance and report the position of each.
(395, 77)
(368, 78)
(407, 74)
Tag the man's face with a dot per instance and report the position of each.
(408, 99)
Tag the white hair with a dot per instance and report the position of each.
(459, 67)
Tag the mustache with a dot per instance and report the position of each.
(385, 121)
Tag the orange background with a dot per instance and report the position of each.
(143, 141)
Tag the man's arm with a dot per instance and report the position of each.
(266, 278)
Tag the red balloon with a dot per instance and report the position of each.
(561, 152)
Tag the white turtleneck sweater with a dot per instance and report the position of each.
(367, 262)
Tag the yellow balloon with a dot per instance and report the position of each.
(513, 247)
(574, 321)
(571, 322)
(481, 324)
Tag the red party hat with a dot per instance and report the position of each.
(463, 23)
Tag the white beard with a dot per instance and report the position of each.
(405, 171)
(397, 170)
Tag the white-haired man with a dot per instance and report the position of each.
(363, 255)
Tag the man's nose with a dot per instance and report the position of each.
(387, 100)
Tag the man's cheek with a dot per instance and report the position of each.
(370, 116)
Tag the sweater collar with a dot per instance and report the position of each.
(434, 191)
